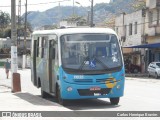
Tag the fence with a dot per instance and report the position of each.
(3, 58)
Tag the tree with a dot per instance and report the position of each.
(21, 27)
(81, 21)
(4, 20)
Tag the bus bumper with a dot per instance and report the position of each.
(76, 91)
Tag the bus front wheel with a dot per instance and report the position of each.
(60, 100)
(114, 101)
(43, 94)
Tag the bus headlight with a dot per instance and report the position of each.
(69, 89)
(118, 86)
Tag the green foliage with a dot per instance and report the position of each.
(4, 20)
(80, 20)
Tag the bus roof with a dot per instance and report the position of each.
(75, 30)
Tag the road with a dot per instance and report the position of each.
(141, 94)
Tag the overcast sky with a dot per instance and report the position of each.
(42, 7)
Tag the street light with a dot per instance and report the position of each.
(91, 17)
(88, 13)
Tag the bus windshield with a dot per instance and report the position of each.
(89, 53)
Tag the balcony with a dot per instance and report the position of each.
(153, 31)
(151, 4)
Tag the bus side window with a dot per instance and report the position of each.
(42, 45)
(38, 47)
(54, 53)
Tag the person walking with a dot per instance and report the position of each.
(7, 66)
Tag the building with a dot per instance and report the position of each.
(5, 43)
(68, 23)
(152, 30)
(130, 29)
(140, 33)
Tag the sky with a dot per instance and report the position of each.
(5, 4)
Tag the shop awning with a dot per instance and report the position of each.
(154, 45)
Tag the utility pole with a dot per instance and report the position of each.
(73, 8)
(13, 37)
(25, 35)
(19, 22)
(91, 24)
(15, 83)
(59, 7)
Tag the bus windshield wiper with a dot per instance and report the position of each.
(101, 63)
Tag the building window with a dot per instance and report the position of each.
(125, 30)
(158, 3)
(117, 30)
(135, 30)
(124, 33)
(130, 29)
(150, 17)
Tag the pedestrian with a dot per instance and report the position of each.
(7, 66)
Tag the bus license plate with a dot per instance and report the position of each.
(95, 88)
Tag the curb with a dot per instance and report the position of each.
(136, 75)
(6, 86)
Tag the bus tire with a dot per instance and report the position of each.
(114, 101)
(156, 76)
(58, 95)
(43, 94)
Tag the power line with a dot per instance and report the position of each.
(138, 23)
(39, 3)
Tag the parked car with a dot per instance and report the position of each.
(154, 69)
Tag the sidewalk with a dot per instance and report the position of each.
(136, 75)
(27, 100)
(3, 80)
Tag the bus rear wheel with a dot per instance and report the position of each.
(43, 94)
(60, 100)
(114, 101)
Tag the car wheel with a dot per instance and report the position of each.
(43, 94)
(156, 76)
(114, 101)
(149, 75)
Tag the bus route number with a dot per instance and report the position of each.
(78, 77)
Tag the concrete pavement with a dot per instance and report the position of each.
(25, 100)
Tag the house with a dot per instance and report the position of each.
(130, 29)
(152, 30)
(140, 34)
(5, 44)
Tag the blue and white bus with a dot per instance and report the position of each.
(78, 63)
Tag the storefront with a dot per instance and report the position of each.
(149, 53)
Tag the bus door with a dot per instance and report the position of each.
(52, 54)
(34, 73)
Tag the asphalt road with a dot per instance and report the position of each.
(141, 94)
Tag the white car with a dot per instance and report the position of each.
(154, 69)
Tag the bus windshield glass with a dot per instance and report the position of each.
(90, 52)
